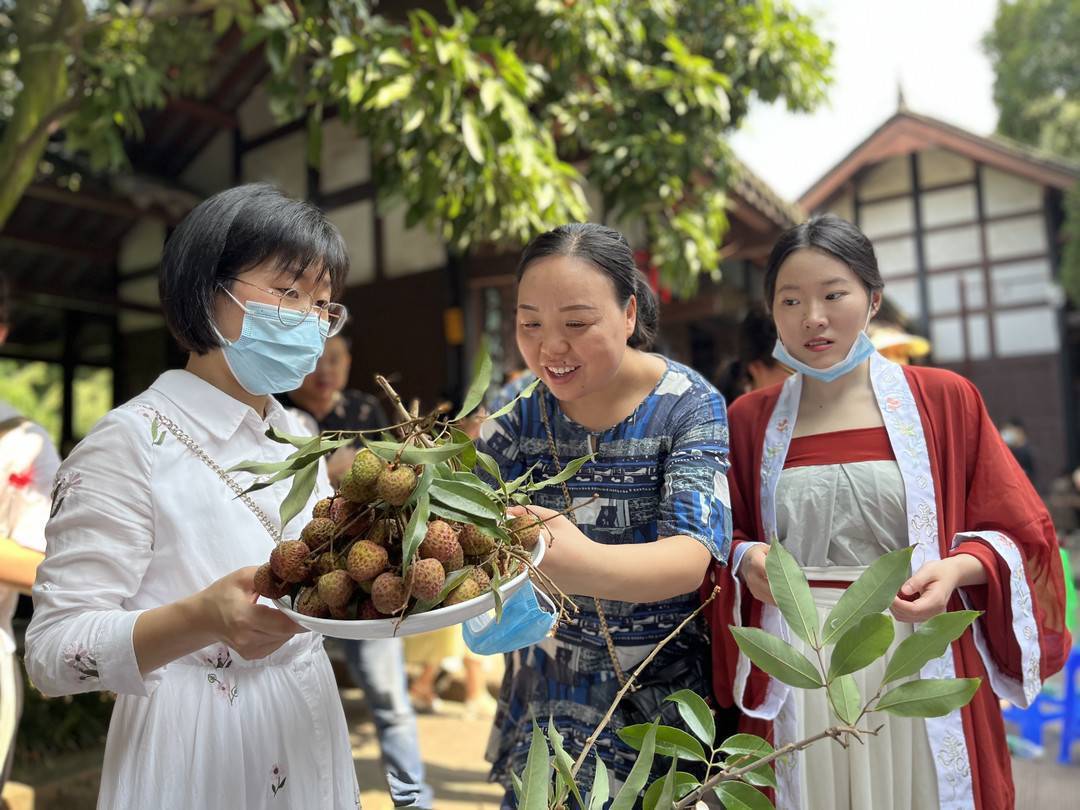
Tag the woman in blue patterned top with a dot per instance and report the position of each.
(585, 320)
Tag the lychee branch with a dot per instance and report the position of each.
(589, 743)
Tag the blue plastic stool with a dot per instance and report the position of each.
(1070, 713)
(1049, 708)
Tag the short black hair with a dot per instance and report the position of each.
(608, 251)
(230, 233)
(826, 233)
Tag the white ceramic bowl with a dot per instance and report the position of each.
(360, 629)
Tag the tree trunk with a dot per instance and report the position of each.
(39, 107)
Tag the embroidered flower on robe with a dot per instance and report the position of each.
(81, 660)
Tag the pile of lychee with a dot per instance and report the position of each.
(348, 561)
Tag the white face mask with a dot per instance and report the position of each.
(861, 350)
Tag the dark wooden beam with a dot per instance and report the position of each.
(81, 302)
(56, 244)
(203, 111)
(93, 201)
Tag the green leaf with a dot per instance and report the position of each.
(416, 455)
(749, 745)
(284, 438)
(764, 776)
(862, 644)
(929, 641)
(481, 380)
(490, 466)
(427, 473)
(792, 593)
(740, 796)
(684, 784)
(696, 713)
(526, 392)
(777, 657)
(669, 742)
(929, 697)
(392, 92)
(464, 498)
(564, 764)
(662, 792)
(341, 46)
(453, 579)
(470, 134)
(515, 781)
(447, 513)
(414, 531)
(413, 121)
(568, 472)
(872, 592)
(537, 775)
(845, 698)
(601, 786)
(302, 487)
(468, 455)
(639, 774)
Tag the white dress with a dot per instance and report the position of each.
(836, 519)
(140, 521)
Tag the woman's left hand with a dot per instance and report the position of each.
(928, 591)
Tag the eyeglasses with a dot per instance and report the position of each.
(295, 305)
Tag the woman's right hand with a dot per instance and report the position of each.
(230, 613)
(752, 571)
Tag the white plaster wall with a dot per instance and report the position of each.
(896, 256)
(1005, 193)
(357, 227)
(954, 246)
(946, 339)
(255, 116)
(282, 162)
(1021, 282)
(892, 216)
(1016, 237)
(949, 206)
(346, 158)
(943, 290)
(211, 171)
(1026, 331)
(889, 177)
(411, 250)
(940, 166)
(905, 296)
(141, 246)
(978, 329)
(843, 205)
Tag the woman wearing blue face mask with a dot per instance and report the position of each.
(853, 457)
(147, 585)
(640, 548)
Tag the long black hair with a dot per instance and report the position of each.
(608, 251)
(829, 234)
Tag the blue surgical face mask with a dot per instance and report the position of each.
(861, 350)
(270, 357)
(523, 624)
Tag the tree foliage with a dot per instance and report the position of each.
(1034, 47)
(485, 121)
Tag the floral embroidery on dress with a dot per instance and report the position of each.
(64, 484)
(222, 686)
(277, 779)
(81, 660)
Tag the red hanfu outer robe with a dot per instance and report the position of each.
(985, 506)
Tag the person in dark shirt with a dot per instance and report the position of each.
(377, 666)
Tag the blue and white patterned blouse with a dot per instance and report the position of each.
(660, 472)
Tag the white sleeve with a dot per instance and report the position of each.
(99, 544)
(30, 500)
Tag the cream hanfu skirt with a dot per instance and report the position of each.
(893, 770)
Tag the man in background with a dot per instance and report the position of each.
(378, 665)
(28, 464)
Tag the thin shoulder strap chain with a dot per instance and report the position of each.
(188, 442)
(619, 673)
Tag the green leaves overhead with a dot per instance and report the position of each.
(792, 593)
(669, 742)
(479, 118)
(862, 644)
(929, 641)
(873, 592)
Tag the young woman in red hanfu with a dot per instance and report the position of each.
(850, 458)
